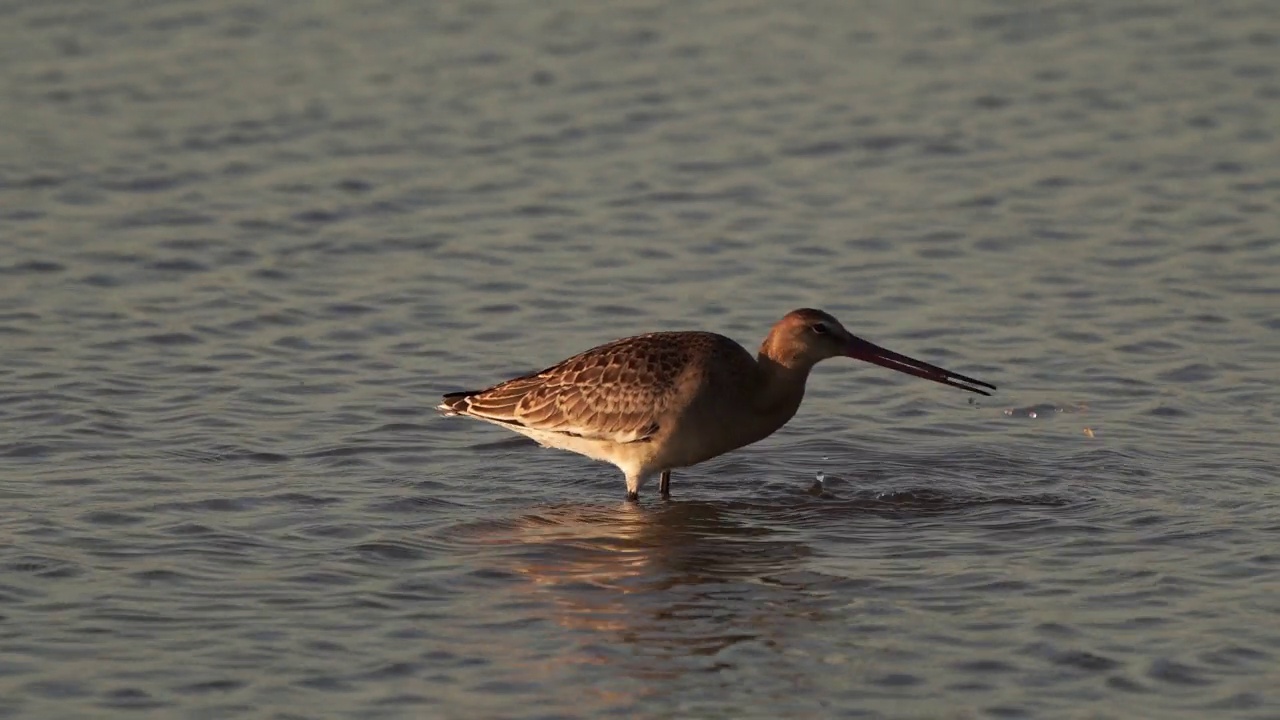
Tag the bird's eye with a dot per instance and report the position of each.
(819, 328)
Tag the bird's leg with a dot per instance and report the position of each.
(633, 496)
(664, 485)
(633, 488)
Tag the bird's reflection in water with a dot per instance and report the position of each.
(662, 590)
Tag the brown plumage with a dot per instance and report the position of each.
(654, 402)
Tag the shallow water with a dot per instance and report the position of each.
(245, 248)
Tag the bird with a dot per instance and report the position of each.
(659, 401)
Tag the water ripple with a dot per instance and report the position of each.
(236, 285)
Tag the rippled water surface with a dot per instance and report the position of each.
(244, 247)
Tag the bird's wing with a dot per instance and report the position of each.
(616, 392)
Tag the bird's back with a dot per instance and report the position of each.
(623, 391)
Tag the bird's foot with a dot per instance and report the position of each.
(633, 496)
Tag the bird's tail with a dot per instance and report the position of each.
(456, 403)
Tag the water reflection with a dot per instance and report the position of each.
(672, 588)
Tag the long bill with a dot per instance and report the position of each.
(860, 349)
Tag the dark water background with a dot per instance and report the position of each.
(245, 246)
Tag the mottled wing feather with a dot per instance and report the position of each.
(614, 392)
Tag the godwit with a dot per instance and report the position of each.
(665, 400)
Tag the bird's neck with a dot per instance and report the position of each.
(781, 383)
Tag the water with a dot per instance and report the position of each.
(245, 248)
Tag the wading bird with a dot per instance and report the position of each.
(654, 402)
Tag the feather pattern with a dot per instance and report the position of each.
(612, 392)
